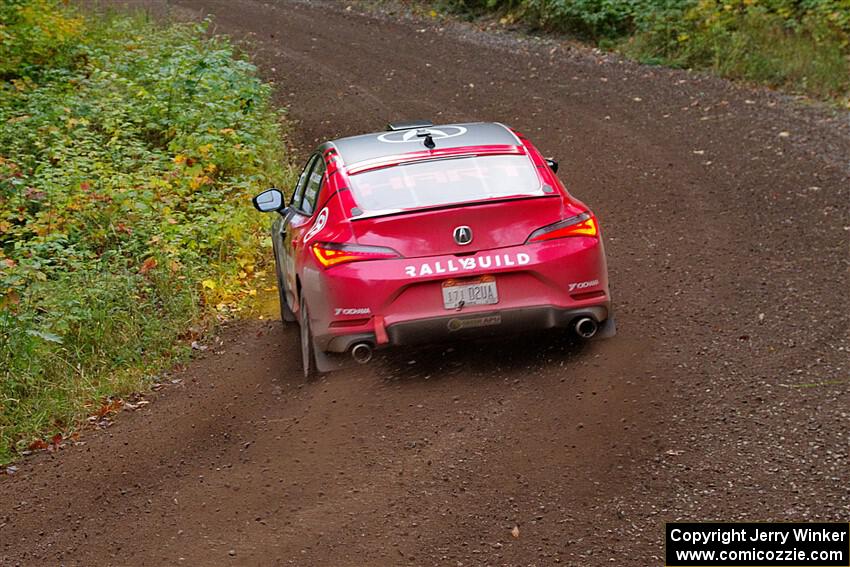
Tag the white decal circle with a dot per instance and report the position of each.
(317, 227)
(412, 135)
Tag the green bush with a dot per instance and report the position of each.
(800, 45)
(779, 43)
(127, 155)
(34, 33)
(591, 19)
(594, 19)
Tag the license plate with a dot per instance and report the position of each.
(481, 291)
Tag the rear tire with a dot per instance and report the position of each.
(308, 353)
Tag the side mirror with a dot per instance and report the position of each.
(268, 201)
(553, 164)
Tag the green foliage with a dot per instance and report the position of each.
(127, 155)
(800, 45)
(34, 33)
(593, 19)
(597, 20)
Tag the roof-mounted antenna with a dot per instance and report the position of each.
(429, 141)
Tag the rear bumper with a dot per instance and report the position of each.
(462, 326)
(400, 301)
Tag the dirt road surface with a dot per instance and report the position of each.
(726, 395)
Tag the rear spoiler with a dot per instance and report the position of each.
(408, 125)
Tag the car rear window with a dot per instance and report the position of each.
(445, 182)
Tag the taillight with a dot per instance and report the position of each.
(579, 225)
(331, 253)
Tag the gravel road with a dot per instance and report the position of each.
(726, 395)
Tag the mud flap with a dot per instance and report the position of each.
(607, 329)
(329, 361)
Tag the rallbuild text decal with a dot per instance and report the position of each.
(467, 264)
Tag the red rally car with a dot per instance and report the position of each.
(431, 233)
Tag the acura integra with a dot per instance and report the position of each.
(429, 233)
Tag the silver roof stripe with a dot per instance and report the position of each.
(366, 147)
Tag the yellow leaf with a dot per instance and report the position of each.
(199, 181)
(208, 284)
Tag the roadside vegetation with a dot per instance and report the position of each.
(128, 151)
(802, 46)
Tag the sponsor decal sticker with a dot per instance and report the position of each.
(583, 285)
(474, 322)
(471, 264)
(321, 222)
(412, 135)
(352, 311)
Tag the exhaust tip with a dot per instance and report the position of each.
(361, 352)
(586, 327)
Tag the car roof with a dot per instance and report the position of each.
(365, 147)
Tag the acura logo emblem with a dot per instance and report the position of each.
(440, 133)
(463, 235)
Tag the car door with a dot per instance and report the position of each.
(300, 219)
(281, 234)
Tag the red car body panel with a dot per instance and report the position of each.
(389, 300)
